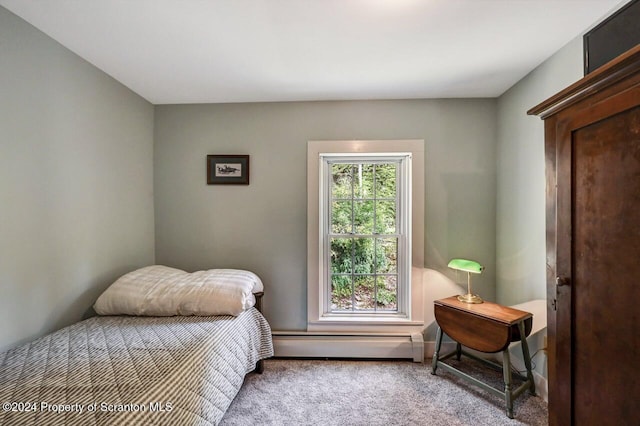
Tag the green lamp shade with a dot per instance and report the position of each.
(465, 265)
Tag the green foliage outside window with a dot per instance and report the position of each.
(364, 253)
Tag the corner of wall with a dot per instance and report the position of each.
(520, 204)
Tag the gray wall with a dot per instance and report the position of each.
(76, 182)
(521, 251)
(262, 227)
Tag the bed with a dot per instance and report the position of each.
(126, 369)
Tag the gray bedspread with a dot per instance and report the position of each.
(133, 370)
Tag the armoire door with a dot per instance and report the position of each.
(598, 263)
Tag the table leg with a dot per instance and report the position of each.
(458, 351)
(506, 369)
(527, 358)
(434, 361)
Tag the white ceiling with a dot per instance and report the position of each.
(195, 51)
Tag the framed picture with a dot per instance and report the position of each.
(227, 169)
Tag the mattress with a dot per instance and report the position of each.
(182, 370)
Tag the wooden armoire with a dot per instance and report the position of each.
(592, 151)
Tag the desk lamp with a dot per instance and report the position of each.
(470, 267)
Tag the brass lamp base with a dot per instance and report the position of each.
(470, 298)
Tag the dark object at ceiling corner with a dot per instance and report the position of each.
(613, 36)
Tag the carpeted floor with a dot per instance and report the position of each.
(334, 392)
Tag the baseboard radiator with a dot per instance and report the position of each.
(348, 345)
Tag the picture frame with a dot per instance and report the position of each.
(227, 170)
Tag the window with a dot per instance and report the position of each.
(366, 227)
(365, 236)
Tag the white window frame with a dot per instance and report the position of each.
(411, 316)
(403, 225)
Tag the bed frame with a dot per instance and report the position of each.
(260, 364)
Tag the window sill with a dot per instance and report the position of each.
(364, 320)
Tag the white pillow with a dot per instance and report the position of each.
(162, 291)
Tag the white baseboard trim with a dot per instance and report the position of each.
(300, 344)
(542, 389)
(348, 345)
(445, 348)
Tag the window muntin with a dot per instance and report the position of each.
(366, 245)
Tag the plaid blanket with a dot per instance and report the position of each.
(182, 370)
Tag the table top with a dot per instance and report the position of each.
(489, 310)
